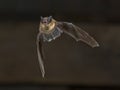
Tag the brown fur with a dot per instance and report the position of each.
(47, 28)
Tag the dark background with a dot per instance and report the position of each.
(69, 64)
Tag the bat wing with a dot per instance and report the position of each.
(77, 33)
(40, 53)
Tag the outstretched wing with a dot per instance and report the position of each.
(77, 33)
(40, 53)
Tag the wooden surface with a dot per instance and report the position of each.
(66, 62)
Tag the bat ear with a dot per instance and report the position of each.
(49, 18)
(41, 17)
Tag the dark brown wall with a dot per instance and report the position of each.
(66, 62)
(92, 10)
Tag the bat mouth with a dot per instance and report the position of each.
(45, 22)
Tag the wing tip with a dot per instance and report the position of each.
(43, 75)
(96, 45)
(92, 45)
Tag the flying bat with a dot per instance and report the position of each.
(50, 29)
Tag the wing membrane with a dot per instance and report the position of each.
(40, 54)
(77, 33)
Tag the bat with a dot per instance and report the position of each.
(50, 29)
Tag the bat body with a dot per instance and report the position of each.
(50, 29)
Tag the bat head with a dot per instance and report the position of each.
(46, 20)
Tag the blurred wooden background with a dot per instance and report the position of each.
(67, 62)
